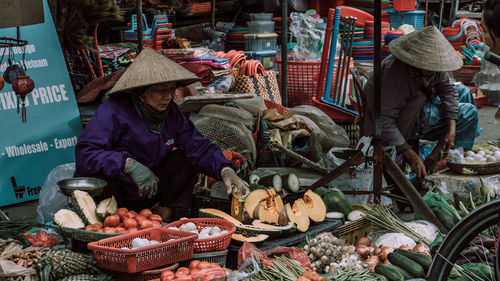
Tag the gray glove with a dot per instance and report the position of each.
(143, 177)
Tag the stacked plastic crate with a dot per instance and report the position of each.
(260, 42)
(152, 36)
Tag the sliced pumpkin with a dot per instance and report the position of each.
(297, 214)
(214, 213)
(236, 208)
(269, 210)
(316, 208)
(291, 227)
(255, 197)
(253, 239)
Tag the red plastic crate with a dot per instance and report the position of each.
(199, 8)
(322, 6)
(404, 5)
(216, 244)
(109, 255)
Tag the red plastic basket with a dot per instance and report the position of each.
(466, 73)
(480, 101)
(109, 255)
(203, 7)
(404, 5)
(216, 244)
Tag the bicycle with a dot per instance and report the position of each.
(466, 242)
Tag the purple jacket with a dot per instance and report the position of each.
(117, 132)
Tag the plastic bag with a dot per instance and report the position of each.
(51, 197)
(309, 34)
(424, 228)
(317, 151)
(456, 155)
(332, 134)
(221, 85)
(249, 250)
(395, 240)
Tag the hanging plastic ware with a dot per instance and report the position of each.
(22, 86)
(13, 71)
(2, 83)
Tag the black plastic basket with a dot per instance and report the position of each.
(351, 129)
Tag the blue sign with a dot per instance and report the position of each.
(29, 151)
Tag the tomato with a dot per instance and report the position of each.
(145, 224)
(100, 230)
(108, 229)
(181, 271)
(146, 213)
(213, 273)
(183, 278)
(203, 265)
(194, 264)
(132, 229)
(97, 225)
(156, 218)
(167, 275)
(120, 229)
(113, 220)
(140, 218)
(156, 224)
(130, 214)
(121, 212)
(213, 265)
(129, 222)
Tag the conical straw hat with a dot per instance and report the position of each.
(149, 68)
(426, 49)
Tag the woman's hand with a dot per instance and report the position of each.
(144, 178)
(449, 139)
(417, 165)
(230, 178)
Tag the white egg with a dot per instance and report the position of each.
(477, 157)
(193, 231)
(491, 159)
(187, 227)
(469, 159)
(172, 239)
(495, 149)
(125, 248)
(497, 155)
(206, 229)
(223, 232)
(139, 242)
(469, 153)
(203, 236)
(173, 228)
(154, 242)
(215, 230)
(490, 153)
(481, 152)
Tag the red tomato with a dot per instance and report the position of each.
(97, 225)
(194, 264)
(140, 218)
(146, 213)
(130, 214)
(213, 265)
(129, 222)
(203, 265)
(132, 229)
(113, 220)
(121, 212)
(183, 278)
(108, 229)
(181, 271)
(167, 275)
(156, 224)
(145, 224)
(156, 218)
(120, 229)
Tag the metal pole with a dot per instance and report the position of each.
(212, 14)
(138, 7)
(284, 52)
(378, 150)
(441, 8)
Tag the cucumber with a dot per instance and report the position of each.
(253, 179)
(274, 181)
(291, 182)
(446, 217)
(412, 267)
(406, 275)
(388, 271)
(334, 215)
(424, 260)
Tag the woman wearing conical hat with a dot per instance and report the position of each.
(130, 141)
(419, 99)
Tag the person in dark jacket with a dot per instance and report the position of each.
(143, 145)
(419, 99)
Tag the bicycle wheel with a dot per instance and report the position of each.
(467, 243)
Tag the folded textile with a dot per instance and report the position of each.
(200, 70)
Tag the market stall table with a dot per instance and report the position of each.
(289, 240)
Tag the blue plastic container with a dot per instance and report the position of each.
(265, 57)
(415, 18)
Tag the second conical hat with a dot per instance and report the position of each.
(427, 49)
(149, 68)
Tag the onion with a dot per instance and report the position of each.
(365, 241)
(376, 251)
(371, 264)
(405, 247)
(362, 250)
(387, 261)
(374, 258)
(351, 249)
(422, 248)
(371, 249)
(384, 252)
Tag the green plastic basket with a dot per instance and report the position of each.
(81, 234)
